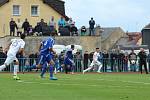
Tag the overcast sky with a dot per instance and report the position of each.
(130, 15)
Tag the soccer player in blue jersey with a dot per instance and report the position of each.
(68, 61)
(46, 55)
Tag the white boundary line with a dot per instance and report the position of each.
(71, 84)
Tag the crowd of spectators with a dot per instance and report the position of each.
(114, 61)
(42, 28)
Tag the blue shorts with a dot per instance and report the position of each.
(45, 58)
(68, 62)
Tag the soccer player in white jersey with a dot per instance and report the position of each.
(16, 46)
(95, 62)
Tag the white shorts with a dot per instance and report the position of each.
(95, 63)
(10, 59)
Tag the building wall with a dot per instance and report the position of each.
(145, 37)
(45, 12)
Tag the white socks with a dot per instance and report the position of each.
(88, 69)
(99, 69)
(16, 69)
(2, 67)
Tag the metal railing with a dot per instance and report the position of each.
(109, 65)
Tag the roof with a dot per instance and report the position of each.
(108, 31)
(2, 2)
(146, 27)
(57, 5)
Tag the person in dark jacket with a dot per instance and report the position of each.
(113, 58)
(142, 60)
(2, 56)
(91, 28)
(105, 60)
(85, 59)
(26, 26)
(12, 25)
(38, 30)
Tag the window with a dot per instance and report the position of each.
(34, 10)
(16, 10)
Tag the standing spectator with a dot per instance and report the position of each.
(12, 25)
(132, 60)
(52, 25)
(120, 59)
(38, 30)
(148, 59)
(142, 60)
(44, 27)
(19, 25)
(61, 23)
(26, 26)
(125, 62)
(86, 59)
(2, 56)
(78, 59)
(105, 60)
(31, 59)
(113, 58)
(83, 30)
(61, 58)
(91, 57)
(92, 24)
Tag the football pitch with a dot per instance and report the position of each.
(108, 86)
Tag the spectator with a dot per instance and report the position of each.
(78, 59)
(83, 30)
(45, 30)
(92, 24)
(31, 32)
(120, 59)
(31, 59)
(52, 25)
(133, 60)
(105, 60)
(126, 62)
(148, 59)
(91, 57)
(142, 60)
(70, 22)
(86, 59)
(12, 25)
(26, 26)
(74, 30)
(61, 23)
(19, 29)
(113, 57)
(61, 59)
(38, 30)
(2, 56)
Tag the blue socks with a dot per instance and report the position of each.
(51, 71)
(43, 70)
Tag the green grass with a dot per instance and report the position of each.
(76, 87)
